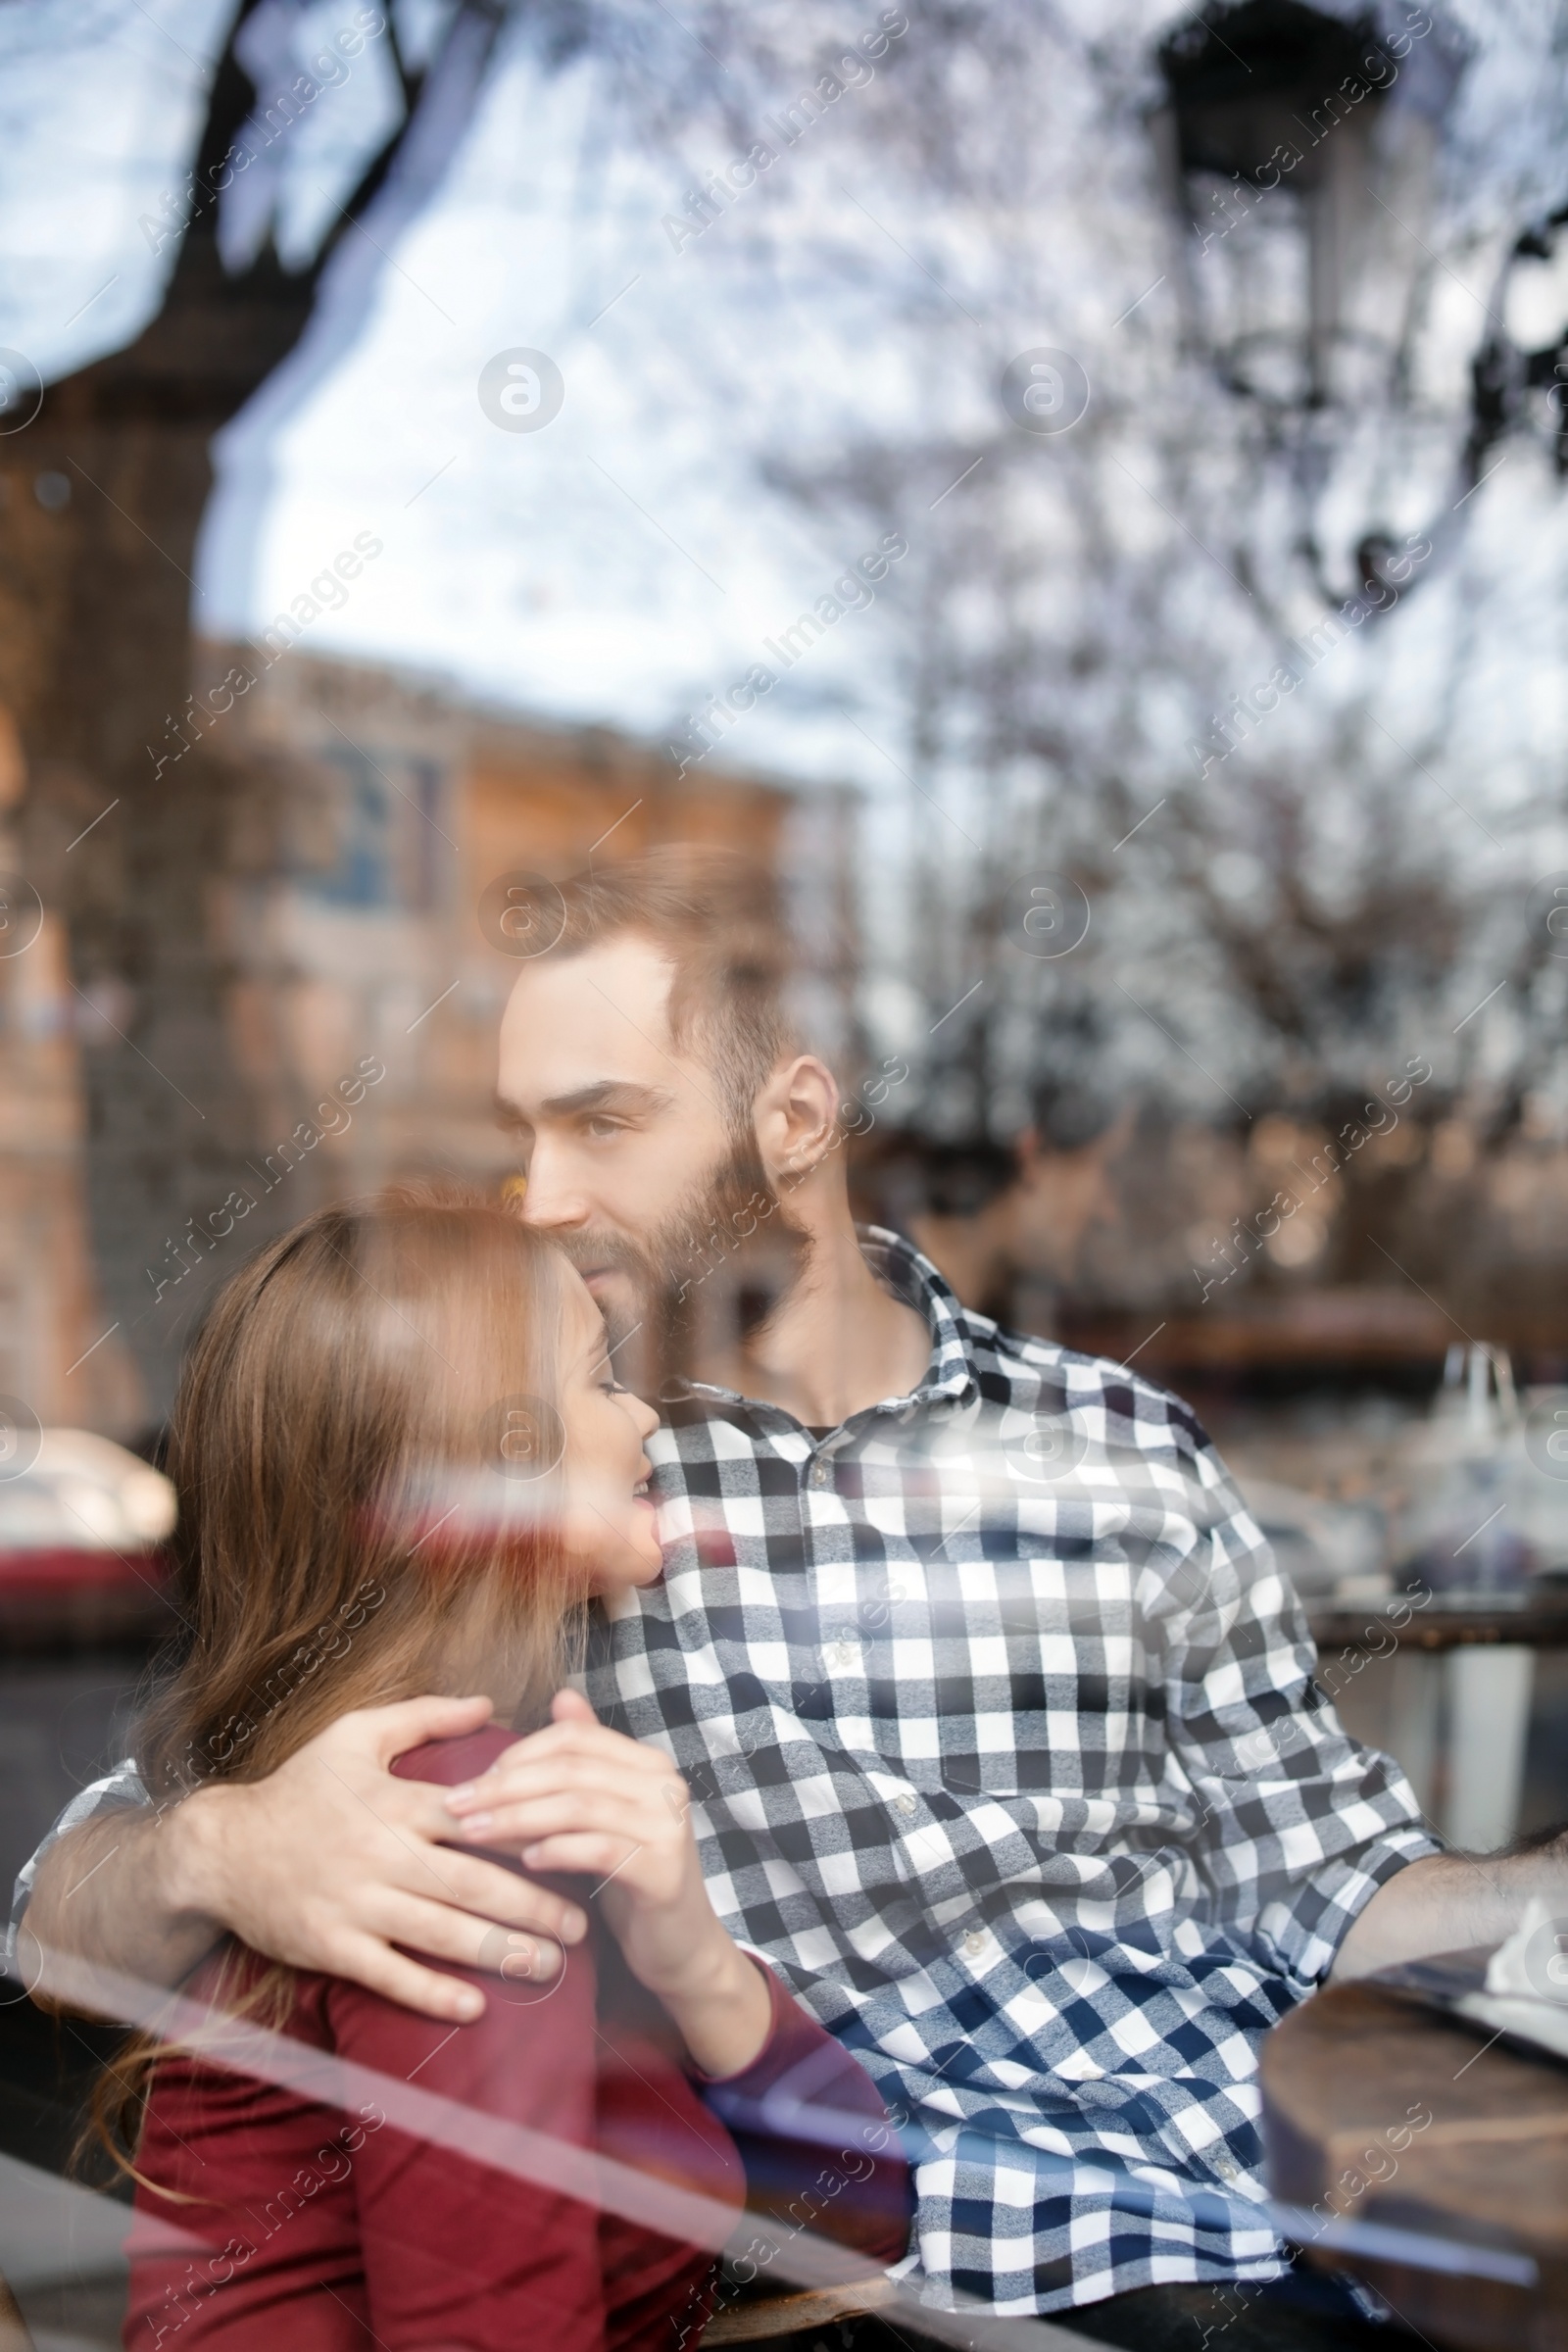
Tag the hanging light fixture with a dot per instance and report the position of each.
(1299, 147)
(1271, 97)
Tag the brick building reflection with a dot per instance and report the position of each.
(368, 812)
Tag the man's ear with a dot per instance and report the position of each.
(797, 1119)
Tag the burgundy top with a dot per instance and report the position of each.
(332, 2232)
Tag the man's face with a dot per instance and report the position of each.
(624, 1139)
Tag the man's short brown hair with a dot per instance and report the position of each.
(715, 918)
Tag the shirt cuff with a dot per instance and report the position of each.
(791, 2034)
(121, 1787)
(1307, 1931)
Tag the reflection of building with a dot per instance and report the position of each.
(366, 815)
(49, 1313)
(353, 936)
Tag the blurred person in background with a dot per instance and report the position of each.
(1004, 1225)
(1019, 1777)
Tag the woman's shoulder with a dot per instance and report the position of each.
(235, 1980)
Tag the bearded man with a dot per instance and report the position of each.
(996, 1717)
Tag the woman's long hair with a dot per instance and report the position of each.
(365, 1447)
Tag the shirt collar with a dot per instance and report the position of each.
(898, 1265)
(952, 1371)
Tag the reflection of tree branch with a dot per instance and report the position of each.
(408, 79)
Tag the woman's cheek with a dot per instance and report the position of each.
(582, 1532)
(651, 1550)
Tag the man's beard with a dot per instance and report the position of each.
(728, 1235)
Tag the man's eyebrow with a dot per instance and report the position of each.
(607, 1093)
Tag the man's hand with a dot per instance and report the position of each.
(329, 1863)
(579, 1797)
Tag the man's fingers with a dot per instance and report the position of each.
(366, 1961)
(493, 1894)
(410, 1722)
(436, 1932)
(401, 1832)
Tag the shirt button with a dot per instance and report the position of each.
(904, 1804)
(976, 1941)
(1227, 2168)
(820, 1474)
(842, 1653)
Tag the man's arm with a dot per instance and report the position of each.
(1298, 1829)
(1452, 1902)
(1337, 1867)
(329, 1863)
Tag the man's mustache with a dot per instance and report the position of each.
(730, 1214)
(594, 1252)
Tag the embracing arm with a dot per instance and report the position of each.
(329, 1863)
(1452, 1902)
(578, 1797)
(119, 1893)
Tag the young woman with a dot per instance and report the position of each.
(403, 1466)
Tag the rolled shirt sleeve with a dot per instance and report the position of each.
(1296, 1826)
(119, 1787)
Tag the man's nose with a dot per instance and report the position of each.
(551, 1201)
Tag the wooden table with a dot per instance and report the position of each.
(1387, 2113)
(1535, 1618)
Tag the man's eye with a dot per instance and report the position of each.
(600, 1127)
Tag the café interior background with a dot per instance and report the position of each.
(1078, 489)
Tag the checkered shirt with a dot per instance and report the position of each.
(999, 1724)
(1003, 1749)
